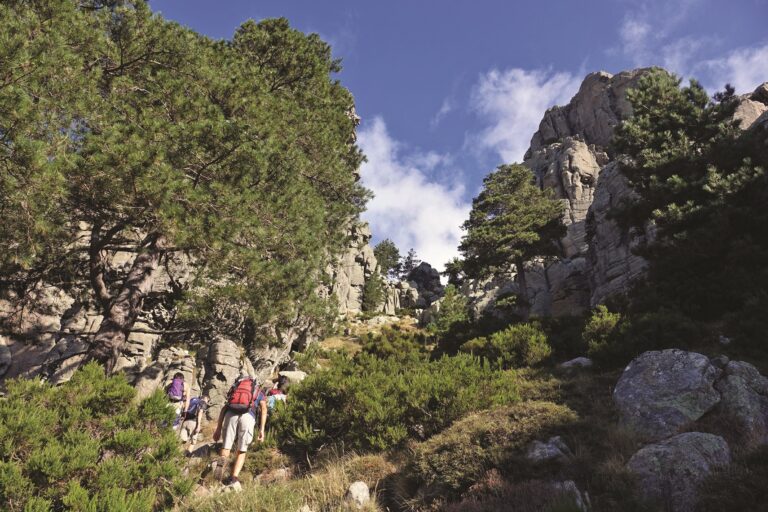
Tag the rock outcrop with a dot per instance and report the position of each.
(356, 264)
(744, 400)
(669, 472)
(661, 392)
(569, 154)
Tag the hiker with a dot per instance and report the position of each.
(237, 419)
(277, 393)
(192, 419)
(178, 394)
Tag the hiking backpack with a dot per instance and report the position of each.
(241, 394)
(195, 404)
(175, 389)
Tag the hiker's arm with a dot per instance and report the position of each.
(198, 421)
(217, 432)
(263, 405)
(186, 397)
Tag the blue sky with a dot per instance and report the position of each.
(447, 90)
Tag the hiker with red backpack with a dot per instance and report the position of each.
(237, 419)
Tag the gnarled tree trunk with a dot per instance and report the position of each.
(522, 283)
(124, 309)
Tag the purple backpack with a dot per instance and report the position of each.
(176, 389)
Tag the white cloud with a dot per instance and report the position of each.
(634, 33)
(744, 68)
(513, 103)
(408, 207)
(445, 109)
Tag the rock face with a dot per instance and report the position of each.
(669, 472)
(426, 281)
(744, 399)
(355, 265)
(569, 154)
(660, 392)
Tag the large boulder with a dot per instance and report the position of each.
(661, 392)
(669, 472)
(426, 280)
(744, 399)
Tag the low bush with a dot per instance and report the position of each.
(614, 340)
(365, 403)
(451, 315)
(394, 342)
(455, 459)
(87, 445)
(600, 330)
(517, 345)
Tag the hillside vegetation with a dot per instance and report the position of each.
(121, 128)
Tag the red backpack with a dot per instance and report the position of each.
(241, 394)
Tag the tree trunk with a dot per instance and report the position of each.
(523, 284)
(125, 308)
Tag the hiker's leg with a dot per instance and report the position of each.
(238, 465)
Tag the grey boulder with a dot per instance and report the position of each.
(669, 472)
(661, 392)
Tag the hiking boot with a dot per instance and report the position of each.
(232, 480)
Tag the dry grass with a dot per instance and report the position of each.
(321, 490)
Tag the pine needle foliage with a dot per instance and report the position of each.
(87, 445)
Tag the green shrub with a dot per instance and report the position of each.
(638, 332)
(394, 342)
(517, 345)
(87, 445)
(600, 329)
(455, 459)
(451, 314)
(366, 403)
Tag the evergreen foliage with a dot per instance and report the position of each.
(388, 256)
(452, 313)
(410, 262)
(367, 403)
(373, 294)
(239, 153)
(394, 342)
(87, 445)
(511, 222)
(702, 182)
(516, 346)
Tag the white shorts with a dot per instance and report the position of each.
(187, 430)
(240, 427)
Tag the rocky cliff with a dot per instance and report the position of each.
(570, 154)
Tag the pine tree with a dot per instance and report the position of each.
(702, 181)
(511, 221)
(410, 262)
(388, 257)
(240, 154)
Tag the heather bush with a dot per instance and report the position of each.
(87, 445)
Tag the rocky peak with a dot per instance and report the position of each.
(592, 113)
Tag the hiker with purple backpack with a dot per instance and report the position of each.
(178, 393)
